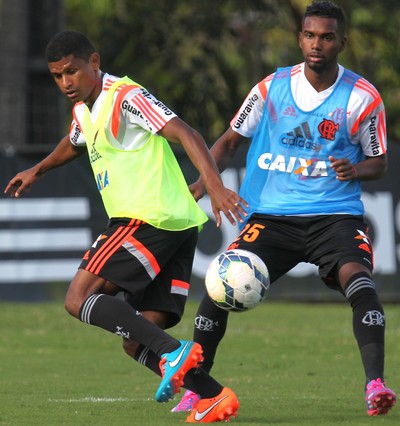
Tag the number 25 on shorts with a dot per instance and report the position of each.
(250, 232)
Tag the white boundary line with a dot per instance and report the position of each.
(97, 399)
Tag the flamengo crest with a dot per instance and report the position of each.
(328, 129)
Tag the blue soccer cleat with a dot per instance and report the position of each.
(174, 366)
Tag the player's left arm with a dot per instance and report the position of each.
(367, 126)
(222, 198)
(369, 169)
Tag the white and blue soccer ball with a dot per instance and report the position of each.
(237, 280)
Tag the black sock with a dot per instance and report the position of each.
(373, 356)
(196, 379)
(368, 324)
(117, 316)
(209, 328)
(199, 381)
(148, 358)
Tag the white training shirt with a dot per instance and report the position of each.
(365, 109)
(141, 115)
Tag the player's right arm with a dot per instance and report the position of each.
(62, 154)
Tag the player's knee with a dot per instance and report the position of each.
(71, 308)
(130, 347)
(72, 304)
(351, 271)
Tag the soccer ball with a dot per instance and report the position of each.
(237, 280)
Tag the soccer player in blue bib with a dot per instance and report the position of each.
(317, 130)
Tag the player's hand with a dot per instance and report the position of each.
(230, 203)
(344, 169)
(21, 183)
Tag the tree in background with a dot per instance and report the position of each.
(202, 57)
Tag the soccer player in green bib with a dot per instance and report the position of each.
(148, 247)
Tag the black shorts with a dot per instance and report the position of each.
(325, 241)
(151, 265)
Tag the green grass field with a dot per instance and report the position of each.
(290, 364)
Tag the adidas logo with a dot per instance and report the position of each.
(290, 111)
(299, 137)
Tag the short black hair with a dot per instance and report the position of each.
(68, 43)
(327, 9)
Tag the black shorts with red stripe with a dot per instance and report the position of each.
(152, 266)
(327, 241)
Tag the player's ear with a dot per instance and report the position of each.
(343, 43)
(94, 61)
